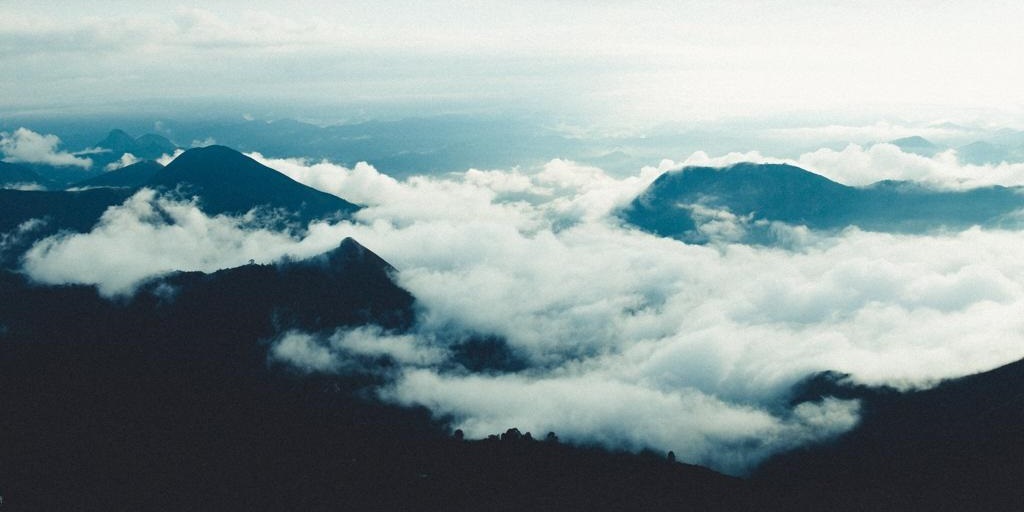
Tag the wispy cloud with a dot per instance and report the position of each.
(26, 146)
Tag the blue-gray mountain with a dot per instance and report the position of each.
(226, 181)
(20, 176)
(130, 176)
(117, 143)
(678, 202)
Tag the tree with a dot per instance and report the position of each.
(512, 434)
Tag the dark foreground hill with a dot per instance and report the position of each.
(958, 446)
(168, 401)
(27, 216)
(230, 309)
(777, 192)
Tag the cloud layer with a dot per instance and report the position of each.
(629, 340)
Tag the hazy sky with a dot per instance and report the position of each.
(642, 61)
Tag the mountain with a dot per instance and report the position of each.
(227, 181)
(130, 176)
(981, 153)
(149, 146)
(956, 446)
(167, 401)
(917, 145)
(27, 216)
(231, 309)
(671, 206)
(14, 175)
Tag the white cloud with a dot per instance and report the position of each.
(125, 160)
(154, 235)
(166, 159)
(699, 427)
(303, 351)
(339, 351)
(858, 165)
(209, 141)
(27, 146)
(22, 186)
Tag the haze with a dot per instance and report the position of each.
(601, 62)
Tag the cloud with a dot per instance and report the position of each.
(339, 351)
(601, 409)
(629, 340)
(149, 235)
(858, 165)
(27, 146)
(166, 159)
(125, 160)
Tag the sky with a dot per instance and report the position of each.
(642, 62)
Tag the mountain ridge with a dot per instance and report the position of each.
(226, 181)
(789, 194)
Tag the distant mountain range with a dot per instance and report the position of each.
(674, 204)
(146, 147)
(1006, 147)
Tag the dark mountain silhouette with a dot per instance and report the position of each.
(149, 146)
(235, 307)
(954, 447)
(779, 192)
(20, 175)
(129, 176)
(166, 400)
(227, 181)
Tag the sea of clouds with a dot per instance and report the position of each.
(630, 340)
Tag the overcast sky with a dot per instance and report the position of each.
(642, 62)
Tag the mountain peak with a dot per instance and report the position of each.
(350, 252)
(117, 141)
(227, 181)
(149, 146)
